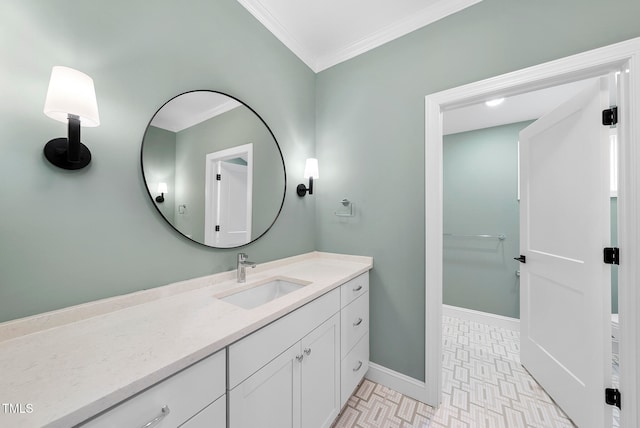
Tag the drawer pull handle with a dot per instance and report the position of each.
(358, 288)
(357, 323)
(300, 357)
(358, 368)
(307, 351)
(155, 421)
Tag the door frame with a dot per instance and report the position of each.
(597, 62)
(210, 193)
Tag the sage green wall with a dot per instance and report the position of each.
(233, 128)
(370, 139)
(480, 196)
(160, 167)
(71, 237)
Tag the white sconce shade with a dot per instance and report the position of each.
(71, 99)
(71, 92)
(310, 172)
(311, 169)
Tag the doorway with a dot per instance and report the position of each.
(622, 56)
(482, 210)
(229, 196)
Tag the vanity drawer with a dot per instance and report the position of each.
(253, 352)
(185, 394)
(354, 367)
(354, 323)
(354, 288)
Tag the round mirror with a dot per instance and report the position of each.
(213, 169)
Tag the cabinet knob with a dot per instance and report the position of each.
(155, 421)
(307, 351)
(358, 322)
(300, 357)
(355, 369)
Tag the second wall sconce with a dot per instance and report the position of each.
(71, 98)
(162, 189)
(310, 172)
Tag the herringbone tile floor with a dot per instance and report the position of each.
(376, 406)
(484, 385)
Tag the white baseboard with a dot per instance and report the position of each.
(481, 317)
(397, 381)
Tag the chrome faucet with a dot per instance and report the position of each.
(241, 273)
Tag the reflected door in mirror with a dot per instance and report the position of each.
(196, 136)
(229, 197)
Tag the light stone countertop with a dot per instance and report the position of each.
(71, 364)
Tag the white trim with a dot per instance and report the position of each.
(397, 381)
(170, 124)
(480, 317)
(212, 160)
(426, 16)
(433, 251)
(208, 114)
(581, 66)
(629, 239)
(262, 14)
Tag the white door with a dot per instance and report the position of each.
(232, 205)
(565, 298)
(228, 197)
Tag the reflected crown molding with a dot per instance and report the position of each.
(188, 110)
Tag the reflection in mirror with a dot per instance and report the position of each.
(228, 202)
(223, 168)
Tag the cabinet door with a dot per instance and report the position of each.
(270, 397)
(321, 375)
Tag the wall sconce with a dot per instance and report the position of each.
(162, 189)
(310, 172)
(71, 98)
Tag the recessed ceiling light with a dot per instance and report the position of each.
(496, 102)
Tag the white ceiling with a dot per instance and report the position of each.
(518, 108)
(325, 33)
(192, 108)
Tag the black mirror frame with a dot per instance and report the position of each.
(152, 198)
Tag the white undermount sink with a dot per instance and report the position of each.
(263, 293)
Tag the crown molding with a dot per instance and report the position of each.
(262, 14)
(399, 28)
(426, 16)
(209, 114)
(176, 125)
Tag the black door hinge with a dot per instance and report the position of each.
(217, 228)
(610, 116)
(612, 397)
(521, 259)
(612, 255)
(218, 177)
